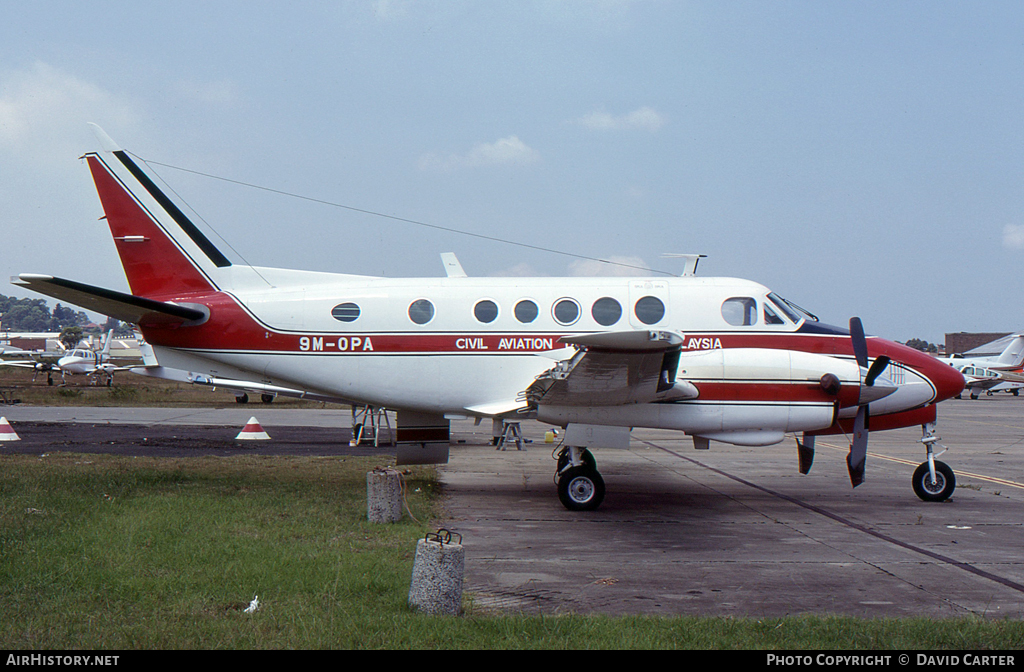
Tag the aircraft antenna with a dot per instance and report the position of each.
(398, 219)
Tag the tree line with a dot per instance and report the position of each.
(34, 315)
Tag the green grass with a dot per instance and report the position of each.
(104, 552)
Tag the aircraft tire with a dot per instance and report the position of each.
(267, 398)
(244, 399)
(943, 487)
(581, 489)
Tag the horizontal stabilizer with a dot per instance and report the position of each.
(120, 306)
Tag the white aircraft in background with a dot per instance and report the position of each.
(93, 363)
(721, 359)
(1010, 358)
(1001, 371)
(978, 379)
(76, 361)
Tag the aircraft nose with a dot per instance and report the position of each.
(948, 381)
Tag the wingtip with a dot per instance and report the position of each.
(106, 142)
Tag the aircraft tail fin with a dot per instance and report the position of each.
(162, 251)
(1013, 355)
(106, 342)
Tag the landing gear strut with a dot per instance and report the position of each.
(580, 486)
(933, 480)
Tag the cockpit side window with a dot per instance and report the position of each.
(791, 310)
(740, 311)
(770, 317)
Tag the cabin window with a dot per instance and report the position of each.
(421, 311)
(649, 310)
(345, 312)
(606, 311)
(740, 311)
(566, 311)
(486, 311)
(526, 311)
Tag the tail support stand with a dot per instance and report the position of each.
(511, 433)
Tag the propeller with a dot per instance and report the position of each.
(868, 393)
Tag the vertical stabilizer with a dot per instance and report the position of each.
(1013, 355)
(163, 253)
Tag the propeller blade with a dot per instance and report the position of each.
(876, 370)
(859, 447)
(860, 344)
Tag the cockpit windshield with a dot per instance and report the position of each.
(792, 311)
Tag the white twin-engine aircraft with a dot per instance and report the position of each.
(720, 359)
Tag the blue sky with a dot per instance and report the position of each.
(859, 158)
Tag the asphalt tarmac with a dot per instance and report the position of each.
(728, 532)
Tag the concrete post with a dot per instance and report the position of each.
(437, 575)
(384, 496)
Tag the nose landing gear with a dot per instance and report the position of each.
(933, 480)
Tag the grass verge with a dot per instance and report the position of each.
(106, 552)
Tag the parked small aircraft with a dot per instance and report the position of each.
(979, 379)
(77, 361)
(93, 363)
(1011, 358)
(721, 359)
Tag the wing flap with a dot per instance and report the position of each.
(614, 369)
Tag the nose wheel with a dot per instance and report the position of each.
(933, 480)
(938, 489)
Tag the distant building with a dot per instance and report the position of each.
(30, 340)
(961, 342)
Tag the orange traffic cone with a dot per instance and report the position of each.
(6, 432)
(252, 431)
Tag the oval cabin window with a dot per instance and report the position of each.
(566, 311)
(485, 311)
(526, 311)
(649, 310)
(421, 311)
(606, 311)
(345, 312)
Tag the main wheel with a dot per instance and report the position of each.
(581, 489)
(940, 491)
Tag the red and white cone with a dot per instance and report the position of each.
(6, 432)
(252, 431)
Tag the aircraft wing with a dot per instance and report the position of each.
(615, 368)
(21, 364)
(120, 306)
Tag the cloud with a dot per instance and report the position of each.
(644, 118)
(621, 266)
(44, 109)
(520, 270)
(1013, 236)
(506, 151)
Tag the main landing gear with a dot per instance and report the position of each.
(580, 486)
(933, 480)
